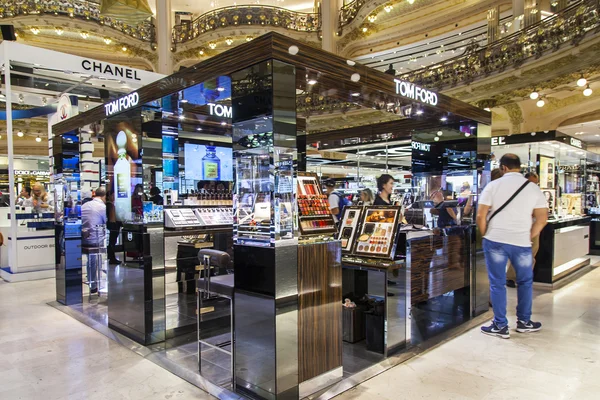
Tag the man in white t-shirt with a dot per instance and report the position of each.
(334, 199)
(507, 233)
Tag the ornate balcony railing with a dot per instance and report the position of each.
(78, 9)
(246, 15)
(349, 11)
(568, 26)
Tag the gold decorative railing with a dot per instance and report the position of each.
(349, 12)
(78, 9)
(243, 16)
(569, 26)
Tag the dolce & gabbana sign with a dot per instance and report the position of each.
(414, 92)
(122, 104)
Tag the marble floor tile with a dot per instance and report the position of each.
(45, 354)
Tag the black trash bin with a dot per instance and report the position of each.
(374, 323)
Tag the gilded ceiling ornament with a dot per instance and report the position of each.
(127, 10)
(515, 114)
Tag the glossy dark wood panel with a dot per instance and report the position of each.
(319, 309)
(438, 265)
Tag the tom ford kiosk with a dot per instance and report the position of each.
(267, 264)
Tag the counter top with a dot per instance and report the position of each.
(565, 222)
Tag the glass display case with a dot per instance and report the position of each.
(264, 196)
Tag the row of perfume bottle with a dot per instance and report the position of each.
(211, 198)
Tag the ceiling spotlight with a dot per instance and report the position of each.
(355, 94)
(38, 139)
(107, 40)
(540, 103)
(223, 123)
(221, 89)
(581, 82)
(311, 81)
(388, 8)
(372, 18)
(201, 52)
(35, 30)
(199, 129)
(472, 127)
(534, 95)
(124, 48)
(212, 45)
(249, 38)
(229, 41)
(533, 133)
(84, 34)
(587, 91)
(467, 134)
(440, 133)
(351, 63)
(20, 134)
(355, 77)
(59, 31)
(419, 112)
(181, 117)
(183, 101)
(293, 50)
(487, 109)
(437, 139)
(365, 29)
(410, 1)
(444, 119)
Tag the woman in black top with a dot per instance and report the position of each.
(385, 185)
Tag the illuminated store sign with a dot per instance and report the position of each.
(32, 173)
(122, 104)
(220, 111)
(577, 143)
(498, 141)
(421, 146)
(108, 69)
(415, 92)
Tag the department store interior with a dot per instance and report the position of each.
(219, 253)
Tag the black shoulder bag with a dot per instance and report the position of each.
(508, 201)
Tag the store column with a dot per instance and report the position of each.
(164, 27)
(329, 23)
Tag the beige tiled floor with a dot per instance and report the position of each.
(560, 362)
(44, 354)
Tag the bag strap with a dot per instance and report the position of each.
(508, 201)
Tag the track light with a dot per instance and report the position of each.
(581, 82)
(38, 139)
(587, 91)
(534, 95)
(20, 134)
(540, 103)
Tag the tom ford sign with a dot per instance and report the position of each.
(122, 104)
(109, 69)
(220, 110)
(414, 92)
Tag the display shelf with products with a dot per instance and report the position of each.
(180, 218)
(349, 226)
(214, 216)
(377, 234)
(313, 207)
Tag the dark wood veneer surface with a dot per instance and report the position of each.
(319, 308)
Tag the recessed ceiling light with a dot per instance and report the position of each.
(444, 119)
(440, 133)
(312, 81)
(355, 94)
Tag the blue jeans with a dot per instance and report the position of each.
(496, 257)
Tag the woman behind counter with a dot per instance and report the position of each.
(385, 185)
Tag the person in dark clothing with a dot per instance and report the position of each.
(385, 185)
(446, 212)
(113, 226)
(155, 196)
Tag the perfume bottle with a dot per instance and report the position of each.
(122, 180)
(211, 165)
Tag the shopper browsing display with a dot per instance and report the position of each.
(93, 223)
(385, 185)
(509, 238)
(39, 200)
(366, 197)
(24, 195)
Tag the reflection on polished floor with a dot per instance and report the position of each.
(47, 354)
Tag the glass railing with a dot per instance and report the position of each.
(568, 27)
(77, 9)
(228, 17)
